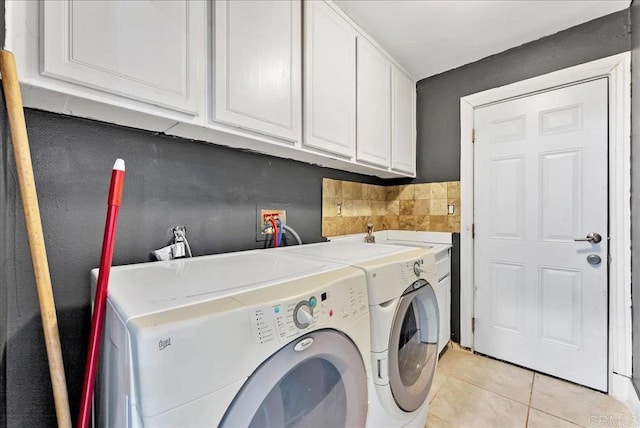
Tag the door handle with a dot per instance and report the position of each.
(592, 237)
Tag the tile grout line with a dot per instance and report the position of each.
(493, 392)
(559, 417)
(540, 407)
(546, 412)
(433, 401)
(533, 381)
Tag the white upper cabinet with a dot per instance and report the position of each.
(374, 105)
(142, 50)
(403, 119)
(257, 65)
(330, 80)
(229, 72)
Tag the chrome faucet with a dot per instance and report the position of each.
(370, 238)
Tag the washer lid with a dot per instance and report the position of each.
(146, 288)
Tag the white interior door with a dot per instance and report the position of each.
(540, 167)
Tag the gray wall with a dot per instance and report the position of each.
(635, 186)
(438, 115)
(438, 111)
(210, 189)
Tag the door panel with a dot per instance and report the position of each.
(561, 195)
(540, 167)
(507, 286)
(507, 187)
(561, 306)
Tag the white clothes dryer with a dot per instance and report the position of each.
(245, 339)
(442, 286)
(404, 325)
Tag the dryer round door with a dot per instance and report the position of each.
(318, 380)
(413, 346)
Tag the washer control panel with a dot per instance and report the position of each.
(282, 321)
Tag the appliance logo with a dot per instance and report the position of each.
(163, 343)
(303, 344)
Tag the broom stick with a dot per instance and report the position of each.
(15, 113)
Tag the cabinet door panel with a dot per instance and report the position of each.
(374, 105)
(330, 81)
(403, 108)
(144, 50)
(257, 62)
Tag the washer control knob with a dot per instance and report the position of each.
(303, 315)
(417, 269)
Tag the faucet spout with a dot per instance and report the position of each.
(370, 238)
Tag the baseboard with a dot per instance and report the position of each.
(622, 389)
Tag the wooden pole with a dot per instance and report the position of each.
(22, 155)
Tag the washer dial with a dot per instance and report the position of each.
(303, 314)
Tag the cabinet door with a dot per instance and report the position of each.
(258, 65)
(330, 80)
(403, 109)
(374, 105)
(143, 50)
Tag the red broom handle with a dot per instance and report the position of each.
(99, 304)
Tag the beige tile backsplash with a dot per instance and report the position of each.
(421, 207)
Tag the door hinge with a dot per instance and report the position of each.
(473, 135)
(473, 325)
(473, 231)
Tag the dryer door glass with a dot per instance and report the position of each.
(413, 347)
(322, 385)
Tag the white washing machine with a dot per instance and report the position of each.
(245, 339)
(404, 325)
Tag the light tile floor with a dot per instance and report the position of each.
(475, 391)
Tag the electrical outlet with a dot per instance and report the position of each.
(264, 212)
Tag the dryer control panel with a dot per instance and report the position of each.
(416, 269)
(281, 321)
